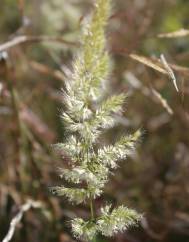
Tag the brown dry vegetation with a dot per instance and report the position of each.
(155, 180)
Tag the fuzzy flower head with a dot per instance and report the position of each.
(89, 112)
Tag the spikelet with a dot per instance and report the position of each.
(87, 115)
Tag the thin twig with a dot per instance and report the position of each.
(163, 101)
(16, 220)
(24, 39)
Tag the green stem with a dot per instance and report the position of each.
(91, 208)
(92, 215)
(91, 199)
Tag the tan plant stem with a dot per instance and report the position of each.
(29, 39)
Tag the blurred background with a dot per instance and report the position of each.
(33, 67)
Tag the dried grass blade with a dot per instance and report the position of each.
(170, 71)
(176, 34)
(148, 62)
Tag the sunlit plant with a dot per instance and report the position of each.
(88, 113)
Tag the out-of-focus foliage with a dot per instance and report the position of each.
(155, 180)
(61, 16)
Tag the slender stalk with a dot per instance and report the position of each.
(92, 215)
(15, 114)
(91, 208)
(91, 199)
